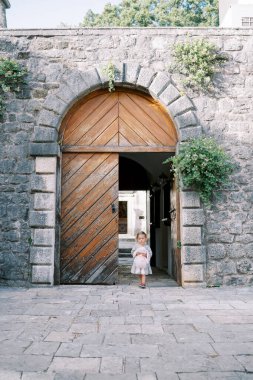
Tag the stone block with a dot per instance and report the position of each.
(190, 199)
(159, 83)
(180, 106)
(193, 217)
(245, 266)
(145, 77)
(44, 201)
(43, 237)
(193, 254)
(52, 103)
(190, 133)
(44, 149)
(45, 134)
(45, 165)
(131, 72)
(169, 95)
(191, 235)
(186, 120)
(193, 273)
(43, 183)
(42, 255)
(42, 219)
(92, 79)
(76, 82)
(216, 251)
(233, 44)
(64, 93)
(48, 118)
(42, 274)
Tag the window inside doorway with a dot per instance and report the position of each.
(123, 217)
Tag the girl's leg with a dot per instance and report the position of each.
(140, 276)
(143, 279)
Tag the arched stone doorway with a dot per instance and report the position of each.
(46, 148)
(94, 133)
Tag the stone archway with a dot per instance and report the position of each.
(45, 147)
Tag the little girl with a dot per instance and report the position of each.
(142, 254)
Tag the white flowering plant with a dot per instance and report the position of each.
(197, 61)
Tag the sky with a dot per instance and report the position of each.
(50, 13)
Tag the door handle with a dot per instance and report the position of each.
(113, 208)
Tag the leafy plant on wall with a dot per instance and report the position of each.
(197, 61)
(203, 166)
(110, 72)
(11, 78)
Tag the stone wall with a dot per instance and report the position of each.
(56, 60)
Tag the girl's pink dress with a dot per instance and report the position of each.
(141, 264)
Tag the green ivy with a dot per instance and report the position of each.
(198, 61)
(203, 166)
(11, 78)
(110, 71)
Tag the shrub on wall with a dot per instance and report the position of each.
(197, 61)
(203, 166)
(11, 78)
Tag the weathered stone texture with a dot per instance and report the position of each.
(63, 66)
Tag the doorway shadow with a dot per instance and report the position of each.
(137, 174)
(159, 278)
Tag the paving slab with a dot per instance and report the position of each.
(122, 332)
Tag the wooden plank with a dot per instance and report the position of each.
(156, 112)
(87, 248)
(100, 266)
(82, 112)
(137, 125)
(89, 232)
(104, 168)
(81, 217)
(73, 166)
(108, 148)
(130, 135)
(92, 164)
(123, 141)
(107, 135)
(155, 129)
(100, 128)
(85, 124)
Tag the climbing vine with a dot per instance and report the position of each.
(197, 61)
(203, 166)
(110, 71)
(11, 78)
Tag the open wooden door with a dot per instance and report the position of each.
(175, 233)
(93, 133)
(89, 245)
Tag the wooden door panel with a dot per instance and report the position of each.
(175, 233)
(136, 125)
(100, 129)
(86, 215)
(81, 112)
(89, 225)
(80, 181)
(80, 211)
(145, 119)
(86, 124)
(130, 135)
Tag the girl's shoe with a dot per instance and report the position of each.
(143, 286)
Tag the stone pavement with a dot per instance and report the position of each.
(122, 332)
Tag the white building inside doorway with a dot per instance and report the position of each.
(236, 13)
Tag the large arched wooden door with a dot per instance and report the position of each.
(93, 134)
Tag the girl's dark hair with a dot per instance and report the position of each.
(141, 233)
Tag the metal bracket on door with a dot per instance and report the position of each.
(113, 208)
